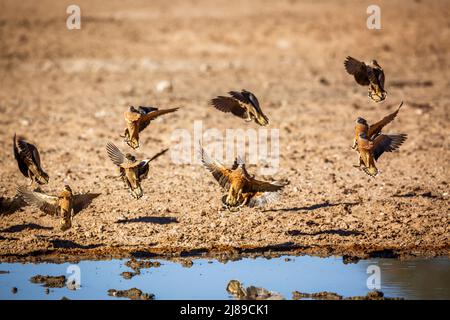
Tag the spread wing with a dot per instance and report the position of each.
(250, 97)
(116, 156)
(381, 78)
(387, 143)
(35, 155)
(261, 199)
(29, 151)
(228, 104)
(82, 201)
(144, 110)
(357, 69)
(376, 128)
(47, 203)
(263, 186)
(158, 154)
(22, 165)
(143, 168)
(148, 117)
(240, 96)
(376, 75)
(219, 172)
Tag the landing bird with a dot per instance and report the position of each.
(369, 151)
(242, 189)
(242, 104)
(372, 131)
(29, 161)
(368, 75)
(65, 205)
(138, 119)
(132, 171)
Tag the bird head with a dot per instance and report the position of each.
(361, 120)
(130, 157)
(375, 63)
(67, 188)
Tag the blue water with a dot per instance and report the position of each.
(414, 279)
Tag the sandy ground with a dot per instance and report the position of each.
(66, 92)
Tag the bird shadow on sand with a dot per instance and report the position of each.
(413, 194)
(339, 232)
(82, 201)
(325, 204)
(25, 226)
(68, 244)
(156, 220)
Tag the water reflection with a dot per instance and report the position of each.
(416, 279)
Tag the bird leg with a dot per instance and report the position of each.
(360, 162)
(125, 134)
(249, 116)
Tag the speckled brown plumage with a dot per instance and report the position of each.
(242, 188)
(368, 75)
(137, 119)
(243, 104)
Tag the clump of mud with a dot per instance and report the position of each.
(49, 281)
(128, 275)
(137, 265)
(325, 295)
(373, 295)
(142, 264)
(236, 289)
(346, 259)
(133, 294)
(186, 263)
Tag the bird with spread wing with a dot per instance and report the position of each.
(131, 170)
(368, 75)
(370, 143)
(242, 188)
(65, 204)
(370, 150)
(138, 119)
(243, 104)
(373, 130)
(29, 161)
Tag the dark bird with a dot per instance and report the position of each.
(65, 205)
(368, 75)
(132, 171)
(138, 119)
(369, 151)
(372, 131)
(29, 161)
(242, 188)
(242, 104)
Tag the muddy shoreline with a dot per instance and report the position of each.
(349, 255)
